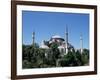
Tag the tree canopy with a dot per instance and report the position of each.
(35, 57)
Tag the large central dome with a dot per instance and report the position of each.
(56, 36)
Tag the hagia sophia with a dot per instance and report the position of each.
(63, 44)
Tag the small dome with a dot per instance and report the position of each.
(60, 47)
(44, 46)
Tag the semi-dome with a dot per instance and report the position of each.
(44, 46)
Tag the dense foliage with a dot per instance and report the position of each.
(35, 57)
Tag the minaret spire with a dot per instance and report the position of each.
(66, 33)
(33, 37)
(66, 39)
(81, 43)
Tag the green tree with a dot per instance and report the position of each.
(72, 58)
(78, 58)
(85, 57)
(29, 55)
(55, 52)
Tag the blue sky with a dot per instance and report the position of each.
(47, 24)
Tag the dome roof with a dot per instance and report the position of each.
(56, 36)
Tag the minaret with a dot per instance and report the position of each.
(33, 37)
(66, 40)
(81, 43)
